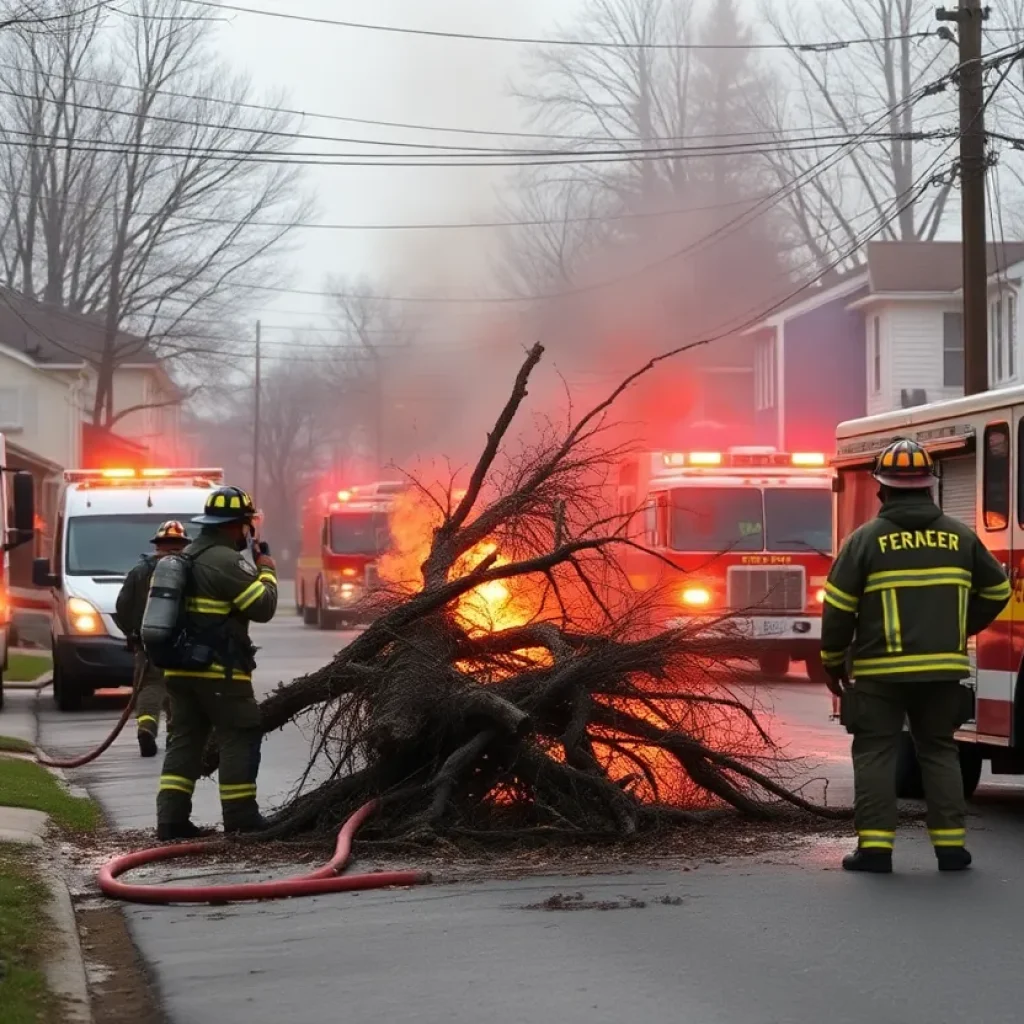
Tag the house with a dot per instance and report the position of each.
(47, 391)
(885, 336)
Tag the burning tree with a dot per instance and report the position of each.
(510, 682)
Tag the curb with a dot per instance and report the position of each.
(65, 968)
(39, 683)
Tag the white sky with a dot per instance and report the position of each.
(355, 73)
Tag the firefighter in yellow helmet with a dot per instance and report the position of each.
(904, 594)
(131, 605)
(232, 583)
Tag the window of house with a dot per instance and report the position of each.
(996, 477)
(1011, 336)
(876, 355)
(953, 350)
(996, 343)
(764, 376)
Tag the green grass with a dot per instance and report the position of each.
(23, 668)
(24, 997)
(13, 745)
(26, 784)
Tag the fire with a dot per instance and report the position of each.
(495, 605)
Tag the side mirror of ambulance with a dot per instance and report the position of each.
(23, 519)
(41, 575)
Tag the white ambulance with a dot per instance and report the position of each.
(17, 527)
(978, 446)
(104, 524)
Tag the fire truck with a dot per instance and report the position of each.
(978, 445)
(17, 526)
(744, 533)
(343, 535)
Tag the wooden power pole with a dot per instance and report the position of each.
(970, 16)
(256, 421)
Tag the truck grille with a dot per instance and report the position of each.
(771, 590)
(372, 577)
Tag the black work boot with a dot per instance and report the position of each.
(876, 862)
(147, 743)
(953, 858)
(169, 831)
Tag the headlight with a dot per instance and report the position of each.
(83, 617)
(819, 595)
(696, 597)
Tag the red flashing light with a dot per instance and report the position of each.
(696, 597)
(344, 495)
(705, 458)
(808, 458)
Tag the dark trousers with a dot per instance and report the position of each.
(934, 710)
(152, 700)
(229, 709)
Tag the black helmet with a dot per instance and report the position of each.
(226, 505)
(904, 464)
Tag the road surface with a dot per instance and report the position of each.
(786, 939)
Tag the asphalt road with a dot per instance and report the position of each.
(780, 938)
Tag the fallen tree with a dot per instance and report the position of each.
(511, 683)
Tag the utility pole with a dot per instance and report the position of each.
(256, 424)
(970, 16)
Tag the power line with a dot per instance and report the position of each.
(823, 47)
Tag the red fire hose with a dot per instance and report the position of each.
(78, 762)
(323, 880)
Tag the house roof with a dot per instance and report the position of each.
(922, 267)
(53, 335)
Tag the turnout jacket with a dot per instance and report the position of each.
(131, 600)
(906, 591)
(226, 593)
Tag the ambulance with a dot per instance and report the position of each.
(743, 534)
(105, 520)
(17, 527)
(978, 446)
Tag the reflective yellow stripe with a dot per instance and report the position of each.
(166, 787)
(178, 778)
(890, 575)
(242, 794)
(916, 581)
(252, 593)
(207, 604)
(891, 622)
(946, 833)
(267, 576)
(997, 593)
(833, 657)
(904, 663)
(214, 672)
(961, 611)
(236, 785)
(876, 844)
(146, 718)
(840, 599)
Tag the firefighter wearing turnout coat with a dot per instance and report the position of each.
(171, 537)
(226, 592)
(904, 594)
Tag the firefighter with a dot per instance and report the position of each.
(227, 591)
(904, 594)
(131, 604)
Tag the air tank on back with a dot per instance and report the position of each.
(163, 606)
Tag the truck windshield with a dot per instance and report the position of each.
(111, 545)
(720, 519)
(798, 519)
(359, 533)
(713, 519)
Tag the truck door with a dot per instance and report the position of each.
(998, 526)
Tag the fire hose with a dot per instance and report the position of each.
(79, 762)
(323, 880)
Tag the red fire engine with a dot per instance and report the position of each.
(748, 532)
(978, 446)
(343, 535)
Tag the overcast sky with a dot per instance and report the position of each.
(420, 80)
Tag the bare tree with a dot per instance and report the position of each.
(848, 92)
(134, 181)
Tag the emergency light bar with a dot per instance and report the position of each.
(199, 477)
(744, 458)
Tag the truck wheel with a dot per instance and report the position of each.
(775, 663)
(908, 771)
(970, 767)
(66, 694)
